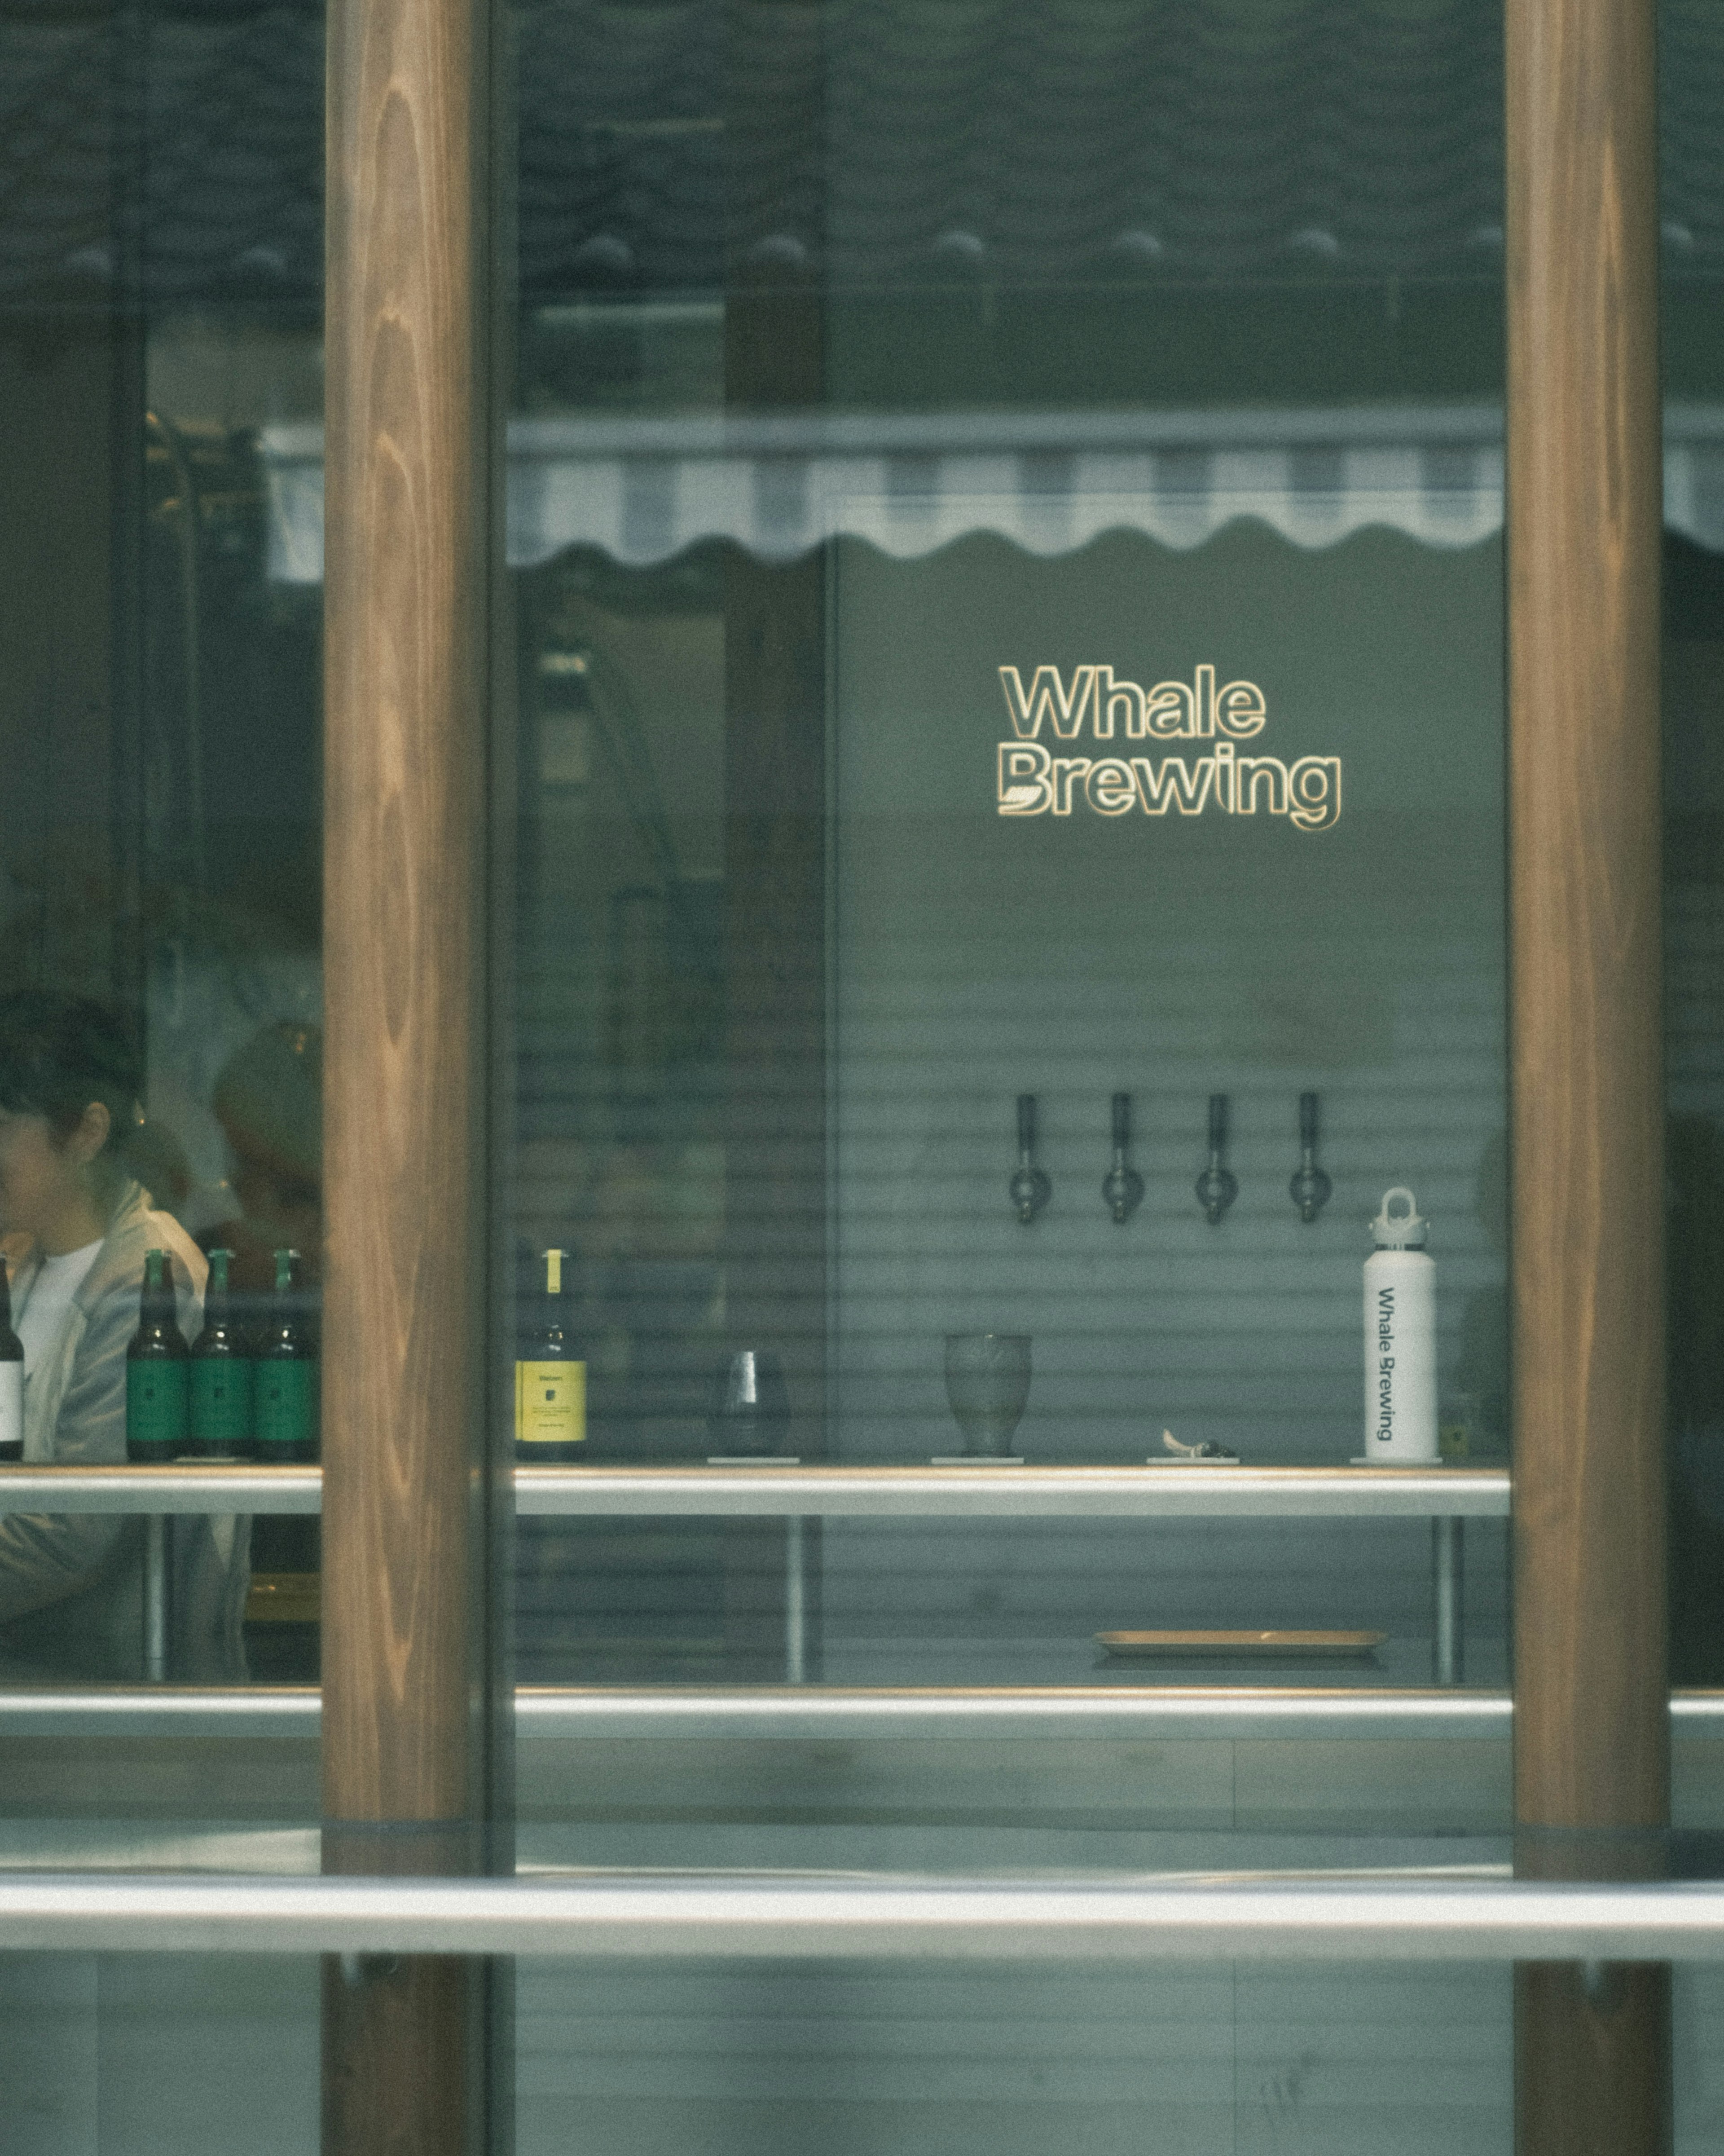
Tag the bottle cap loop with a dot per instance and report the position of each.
(1400, 1231)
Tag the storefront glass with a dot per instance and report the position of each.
(1002, 812)
(1011, 605)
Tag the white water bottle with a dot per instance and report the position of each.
(1400, 1339)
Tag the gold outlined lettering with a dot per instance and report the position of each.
(1253, 770)
(1032, 782)
(1240, 710)
(1109, 789)
(1174, 784)
(1203, 719)
(1314, 793)
(1047, 698)
(1171, 708)
(1116, 701)
(1024, 787)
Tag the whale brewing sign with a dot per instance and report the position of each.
(1034, 780)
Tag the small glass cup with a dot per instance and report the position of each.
(987, 1384)
(749, 1416)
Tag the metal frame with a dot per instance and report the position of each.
(1406, 1917)
(1096, 1714)
(772, 1491)
(1448, 1496)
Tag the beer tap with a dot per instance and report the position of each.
(1216, 1187)
(1029, 1188)
(1121, 1187)
(1310, 1188)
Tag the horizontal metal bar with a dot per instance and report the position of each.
(1091, 1714)
(995, 1492)
(181, 1714)
(805, 1918)
(182, 1488)
(1171, 1492)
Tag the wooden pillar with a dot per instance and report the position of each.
(1592, 1768)
(407, 1684)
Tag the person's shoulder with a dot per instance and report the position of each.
(136, 1229)
(165, 1233)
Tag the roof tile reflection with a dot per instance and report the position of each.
(881, 142)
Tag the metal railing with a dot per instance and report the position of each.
(813, 1917)
(1096, 1714)
(769, 1489)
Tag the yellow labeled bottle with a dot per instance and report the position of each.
(551, 1385)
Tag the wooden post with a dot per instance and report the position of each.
(406, 1684)
(1591, 1767)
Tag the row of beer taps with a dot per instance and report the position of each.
(1031, 1186)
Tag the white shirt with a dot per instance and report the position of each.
(49, 1303)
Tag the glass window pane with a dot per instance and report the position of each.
(161, 835)
(1011, 646)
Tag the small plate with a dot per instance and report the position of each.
(1184, 1646)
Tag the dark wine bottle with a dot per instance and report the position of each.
(12, 1377)
(157, 1362)
(285, 1398)
(550, 1383)
(221, 1382)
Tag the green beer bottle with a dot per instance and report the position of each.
(284, 1400)
(221, 1382)
(156, 1364)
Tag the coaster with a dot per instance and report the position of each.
(1179, 1459)
(1365, 1460)
(977, 1459)
(754, 1460)
(1184, 1646)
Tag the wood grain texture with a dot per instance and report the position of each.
(406, 602)
(1591, 1736)
(401, 2050)
(406, 599)
(1591, 2070)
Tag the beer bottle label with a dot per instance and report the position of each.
(550, 1402)
(286, 1409)
(156, 1404)
(221, 1400)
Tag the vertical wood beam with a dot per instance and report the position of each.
(1592, 1769)
(406, 1637)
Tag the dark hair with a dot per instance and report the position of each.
(58, 1053)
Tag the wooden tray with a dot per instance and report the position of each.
(1185, 1646)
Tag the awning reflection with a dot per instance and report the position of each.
(646, 491)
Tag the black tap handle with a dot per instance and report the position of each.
(1026, 1124)
(1307, 1120)
(1121, 1121)
(1218, 1121)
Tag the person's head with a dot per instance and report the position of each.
(269, 1100)
(69, 1080)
